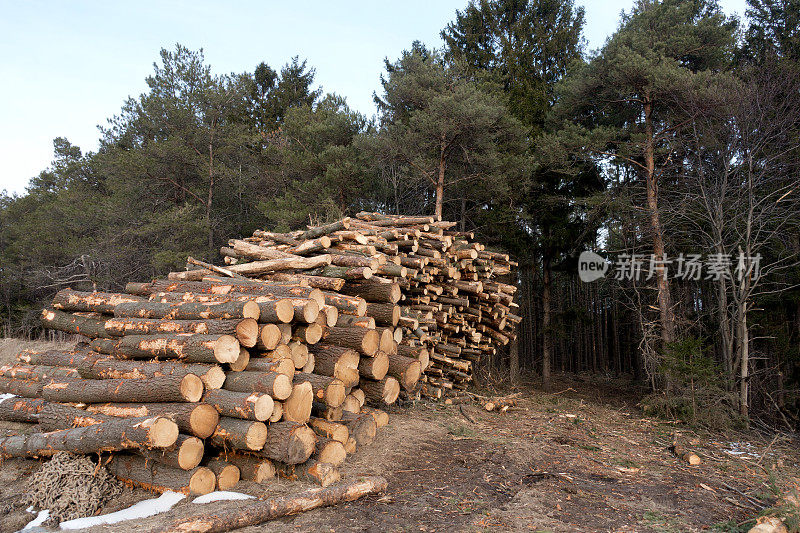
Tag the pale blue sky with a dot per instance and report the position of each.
(68, 66)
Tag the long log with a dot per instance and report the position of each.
(157, 477)
(111, 368)
(65, 358)
(196, 419)
(188, 388)
(37, 372)
(95, 302)
(260, 511)
(374, 291)
(259, 267)
(319, 282)
(106, 437)
(18, 409)
(21, 387)
(75, 324)
(245, 330)
(188, 310)
(184, 347)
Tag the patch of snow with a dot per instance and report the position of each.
(39, 520)
(30, 509)
(220, 495)
(741, 448)
(143, 509)
(7, 396)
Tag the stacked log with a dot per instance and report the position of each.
(435, 290)
(276, 364)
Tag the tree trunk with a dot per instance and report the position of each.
(322, 474)
(365, 341)
(297, 407)
(252, 467)
(329, 429)
(664, 300)
(440, 178)
(328, 390)
(547, 334)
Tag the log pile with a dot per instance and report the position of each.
(276, 364)
(434, 289)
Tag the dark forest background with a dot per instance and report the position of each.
(681, 135)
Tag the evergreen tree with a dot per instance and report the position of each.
(443, 131)
(525, 47)
(629, 99)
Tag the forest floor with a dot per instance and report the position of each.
(582, 458)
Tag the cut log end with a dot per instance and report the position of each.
(297, 407)
(203, 420)
(226, 348)
(191, 388)
(202, 482)
(256, 436)
(263, 407)
(282, 387)
(251, 310)
(247, 332)
(284, 310)
(190, 453)
(163, 432)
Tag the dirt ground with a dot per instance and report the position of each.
(580, 459)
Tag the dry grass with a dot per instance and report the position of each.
(11, 346)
